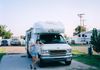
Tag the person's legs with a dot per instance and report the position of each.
(34, 61)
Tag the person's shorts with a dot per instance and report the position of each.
(34, 54)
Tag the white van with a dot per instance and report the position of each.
(55, 47)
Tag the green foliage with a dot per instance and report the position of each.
(2, 29)
(2, 52)
(95, 40)
(90, 60)
(4, 33)
(79, 29)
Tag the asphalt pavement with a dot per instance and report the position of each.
(16, 59)
(22, 62)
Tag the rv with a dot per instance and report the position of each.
(54, 47)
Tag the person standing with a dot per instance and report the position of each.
(34, 54)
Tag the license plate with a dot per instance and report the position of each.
(68, 59)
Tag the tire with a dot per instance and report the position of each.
(41, 63)
(28, 54)
(67, 62)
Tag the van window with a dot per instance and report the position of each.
(51, 38)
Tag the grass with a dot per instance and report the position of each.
(93, 60)
(2, 52)
(76, 52)
(77, 45)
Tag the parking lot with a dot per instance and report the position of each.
(16, 59)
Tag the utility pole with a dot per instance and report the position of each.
(81, 19)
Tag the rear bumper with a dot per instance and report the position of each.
(15, 44)
(56, 58)
(4, 44)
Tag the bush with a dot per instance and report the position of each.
(95, 40)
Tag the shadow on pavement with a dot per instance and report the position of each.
(52, 64)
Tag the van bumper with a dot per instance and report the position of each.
(56, 58)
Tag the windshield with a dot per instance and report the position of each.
(51, 38)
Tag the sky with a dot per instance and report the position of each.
(20, 15)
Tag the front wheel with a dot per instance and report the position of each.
(41, 63)
(67, 62)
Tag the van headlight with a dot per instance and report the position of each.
(44, 51)
(69, 50)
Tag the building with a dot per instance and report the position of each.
(83, 37)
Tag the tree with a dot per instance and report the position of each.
(2, 29)
(95, 40)
(22, 37)
(4, 33)
(79, 29)
(7, 34)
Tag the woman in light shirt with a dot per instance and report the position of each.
(34, 53)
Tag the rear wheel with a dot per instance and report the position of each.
(28, 54)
